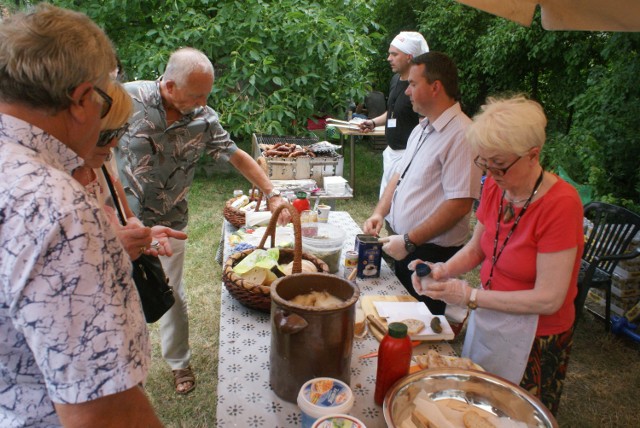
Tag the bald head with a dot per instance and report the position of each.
(184, 62)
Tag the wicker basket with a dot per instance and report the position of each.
(234, 215)
(257, 296)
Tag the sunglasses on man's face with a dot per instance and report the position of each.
(109, 134)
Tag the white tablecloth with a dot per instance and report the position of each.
(245, 398)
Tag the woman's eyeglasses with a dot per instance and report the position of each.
(498, 172)
(106, 105)
(109, 134)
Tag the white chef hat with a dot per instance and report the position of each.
(411, 43)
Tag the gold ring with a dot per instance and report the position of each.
(142, 249)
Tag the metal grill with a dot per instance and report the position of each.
(273, 139)
(299, 168)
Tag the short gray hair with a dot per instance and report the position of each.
(509, 125)
(183, 62)
(47, 53)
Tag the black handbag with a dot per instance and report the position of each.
(153, 285)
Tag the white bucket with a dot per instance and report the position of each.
(344, 421)
(323, 396)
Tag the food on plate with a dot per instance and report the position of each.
(307, 266)
(414, 326)
(436, 324)
(419, 420)
(426, 412)
(473, 419)
(432, 360)
(317, 299)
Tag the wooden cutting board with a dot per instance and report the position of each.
(366, 302)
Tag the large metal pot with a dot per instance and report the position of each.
(309, 342)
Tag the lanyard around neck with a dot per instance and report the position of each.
(495, 257)
(423, 137)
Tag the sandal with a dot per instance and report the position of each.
(182, 377)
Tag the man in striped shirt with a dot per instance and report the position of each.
(429, 198)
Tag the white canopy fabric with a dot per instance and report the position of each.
(588, 15)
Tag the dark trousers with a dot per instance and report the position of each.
(430, 253)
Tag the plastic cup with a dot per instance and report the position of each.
(308, 216)
(344, 421)
(323, 213)
(323, 396)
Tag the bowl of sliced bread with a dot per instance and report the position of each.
(459, 397)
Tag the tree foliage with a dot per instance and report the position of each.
(277, 63)
(586, 82)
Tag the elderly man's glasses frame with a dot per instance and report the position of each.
(109, 134)
(106, 105)
(498, 172)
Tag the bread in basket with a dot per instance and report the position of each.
(236, 216)
(257, 296)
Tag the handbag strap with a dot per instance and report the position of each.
(114, 195)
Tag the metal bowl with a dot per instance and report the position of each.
(480, 389)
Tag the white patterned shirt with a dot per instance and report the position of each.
(71, 322)
(441, 168)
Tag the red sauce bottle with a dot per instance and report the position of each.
(301, 203)
(394, 359)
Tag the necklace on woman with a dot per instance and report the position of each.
(496, 253)
(509, 211)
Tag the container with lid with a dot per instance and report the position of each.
(325, 241)
(344, 421)
(324, 396)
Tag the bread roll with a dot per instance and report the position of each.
(413, 326)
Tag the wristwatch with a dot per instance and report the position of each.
(408, 245)
(274, 193)
(473, 303)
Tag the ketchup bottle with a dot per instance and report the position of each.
(394, 359)
(301, 203)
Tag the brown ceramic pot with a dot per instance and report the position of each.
(309, 342)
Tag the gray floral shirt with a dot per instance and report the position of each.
(71, 323)
(157, 162)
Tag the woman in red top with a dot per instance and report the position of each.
(528, 240)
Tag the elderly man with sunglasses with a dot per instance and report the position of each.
(75, 346)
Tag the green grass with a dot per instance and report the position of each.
(603, 382)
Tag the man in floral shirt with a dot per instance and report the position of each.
(171, 127)
(74, 348)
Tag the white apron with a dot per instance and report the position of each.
(500, 342)
(390, 160)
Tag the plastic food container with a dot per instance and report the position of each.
(324, 396)
(343, 421)
(324, 241)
